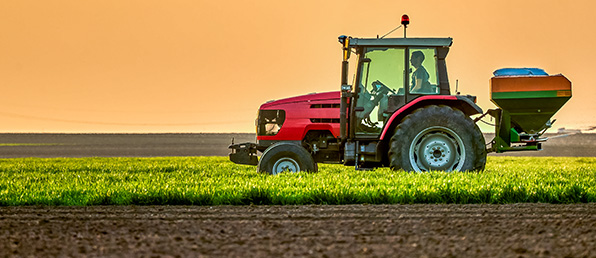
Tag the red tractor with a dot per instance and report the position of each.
(399, 113)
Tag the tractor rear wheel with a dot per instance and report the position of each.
(437, 138)
(286, 157)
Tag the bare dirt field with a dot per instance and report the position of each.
(518, 230)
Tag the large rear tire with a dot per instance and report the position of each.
(437, 138)
(286, 157)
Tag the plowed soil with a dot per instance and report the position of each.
(520, 230)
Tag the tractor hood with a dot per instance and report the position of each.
(312, 97)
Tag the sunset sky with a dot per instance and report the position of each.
(206, 66)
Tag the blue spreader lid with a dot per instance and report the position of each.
(519, 72)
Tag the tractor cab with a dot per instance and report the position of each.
(392, 72)
(396, 77)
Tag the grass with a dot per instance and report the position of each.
(216, 181)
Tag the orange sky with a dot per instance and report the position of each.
(206, 66)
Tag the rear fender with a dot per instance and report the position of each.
(463, 103)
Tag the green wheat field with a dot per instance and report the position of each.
(217, 181)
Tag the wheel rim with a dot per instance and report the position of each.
(285, 164)
(437, 148)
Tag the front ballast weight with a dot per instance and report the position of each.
(244, 153)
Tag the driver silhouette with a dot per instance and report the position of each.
(420, 77)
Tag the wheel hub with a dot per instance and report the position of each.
(437, 151)
(285, 165)
(436, 148)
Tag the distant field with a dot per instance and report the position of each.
(559, 145)
(117, 145)
(216, 181)
(207, 144)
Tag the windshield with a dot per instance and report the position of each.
(386, 65)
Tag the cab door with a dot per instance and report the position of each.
(381, 79)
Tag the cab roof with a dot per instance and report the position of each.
(401, 42)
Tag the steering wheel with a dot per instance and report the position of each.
(381, 88)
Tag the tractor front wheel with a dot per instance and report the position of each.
(437, 138)
(286, 157)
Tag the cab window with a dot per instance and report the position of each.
(423, 71)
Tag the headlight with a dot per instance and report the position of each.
(270, 122)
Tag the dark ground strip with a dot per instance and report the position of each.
(519, 230)
(118, 145)
(165, 145)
